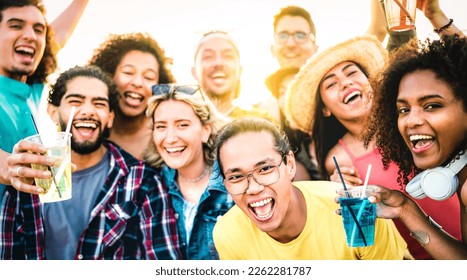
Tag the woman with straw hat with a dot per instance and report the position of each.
(331, 98)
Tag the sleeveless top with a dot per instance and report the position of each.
(446, 213)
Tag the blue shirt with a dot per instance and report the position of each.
(65, 221)
(15, 115)
(214, 202)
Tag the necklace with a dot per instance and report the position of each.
(197, 179)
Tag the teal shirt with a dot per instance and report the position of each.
(15, 115)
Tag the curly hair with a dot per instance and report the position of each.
(109, 54)
(207, 114)
(60, 87)
(447, 59)
(48, 63)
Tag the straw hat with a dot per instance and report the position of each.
(300, 98)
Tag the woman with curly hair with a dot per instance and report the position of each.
(332, 99)
(136, 62)
(184, 124)
(419, 123)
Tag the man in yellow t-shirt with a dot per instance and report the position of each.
(275, 218)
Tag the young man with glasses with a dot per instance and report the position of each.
(275, 218)
(294, 37)
(294, 43)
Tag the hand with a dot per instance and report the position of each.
(19, 166)
(350, 175)
(390, 204)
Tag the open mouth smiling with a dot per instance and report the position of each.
(352, 97)
(263, 209)
(175, 150)
(24, 50)
(419, 140)
(85, 127)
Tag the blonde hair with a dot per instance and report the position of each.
(204, 110)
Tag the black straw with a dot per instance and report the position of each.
(34, 123)
(356, 221)
(340, 174)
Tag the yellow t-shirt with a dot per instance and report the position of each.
(323, 238)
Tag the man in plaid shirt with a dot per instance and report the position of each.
(119, 207)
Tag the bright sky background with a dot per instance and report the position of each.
(177, 25)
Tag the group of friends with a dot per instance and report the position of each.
(169, 171)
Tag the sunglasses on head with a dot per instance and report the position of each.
(169, 89)
(172, 88)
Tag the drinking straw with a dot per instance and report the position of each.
(48, 167)
(62, 167)
(403, 9)
(362, 206)
(359, 216)
(348, 206)
(365, 184)
(340, 175)
(70, 120)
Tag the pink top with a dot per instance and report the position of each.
(446, 213)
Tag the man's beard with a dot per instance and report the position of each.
(87, 146)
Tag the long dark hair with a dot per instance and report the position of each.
(326, 132)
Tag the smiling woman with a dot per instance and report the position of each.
(136, 62)
(419, 123)
(184, 126)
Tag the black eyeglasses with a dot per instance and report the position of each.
(299, 37)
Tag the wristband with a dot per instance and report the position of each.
(444, 27)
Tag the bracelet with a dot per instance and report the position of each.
(442, 28)
(421, 236)
(434, 223)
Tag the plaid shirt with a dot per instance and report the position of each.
(132, 219)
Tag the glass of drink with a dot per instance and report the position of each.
(58, 187)
(400, 14)
(358, 216)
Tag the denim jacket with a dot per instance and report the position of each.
(214, 202)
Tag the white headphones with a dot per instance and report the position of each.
(439, 183)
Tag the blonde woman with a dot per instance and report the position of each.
(184, 125)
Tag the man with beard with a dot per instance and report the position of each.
(119, 208)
